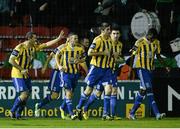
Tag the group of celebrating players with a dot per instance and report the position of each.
(105, 53)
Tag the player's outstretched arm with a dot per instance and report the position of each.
(51, 43)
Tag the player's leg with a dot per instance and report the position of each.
(153, 104)
(23, 89)
(70, 81)
(20, 109)
(91, 80)
(84, 97)
(107, 83)
(113, 99)
(63, 108)
(19, 104)
(69, 103)
(94, 96)
(53, 96)
(54, 87)
(107, 96)
(141, 94)
(22, 106)
(138, 100)
(148, 84)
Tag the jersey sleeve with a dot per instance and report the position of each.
(40, 47)
(95, 44)
(16, 51)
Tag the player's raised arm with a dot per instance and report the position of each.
(52, 42)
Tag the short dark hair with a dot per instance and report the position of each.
(30, 34)
(104, 25)
(153, 32)
(115, 26)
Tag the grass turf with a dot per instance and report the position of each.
(91, 123)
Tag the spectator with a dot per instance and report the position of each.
(164, 9)
(4, 12)
(17, 11)
(176, 17)
(38, 11)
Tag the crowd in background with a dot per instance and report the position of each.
(82, 15)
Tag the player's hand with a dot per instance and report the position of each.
(76, 61)
(61, 68)
(61, 35)
(116, 54)
(107, 53)
(24, 72)
(43, 70)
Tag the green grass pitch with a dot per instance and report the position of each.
(91, 123)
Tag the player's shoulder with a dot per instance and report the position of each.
(140, 40)
(20, 46)
(61, 46)
(79, 47)
(120, 43)
(157, 41)
(97, 39)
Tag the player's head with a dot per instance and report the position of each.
(85, 42)
(152, 34)
(31, 36)
(115, 32)
(73, 39)
(105, 28)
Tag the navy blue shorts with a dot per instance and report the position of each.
(22, 84)
(98, 76)
(54, 83)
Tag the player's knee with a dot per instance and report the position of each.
(114, 91)
(88, 91)
(142, 92)
(68, 94)
(108, 90)
(98, 93)
(54, 96)
(24, 95)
